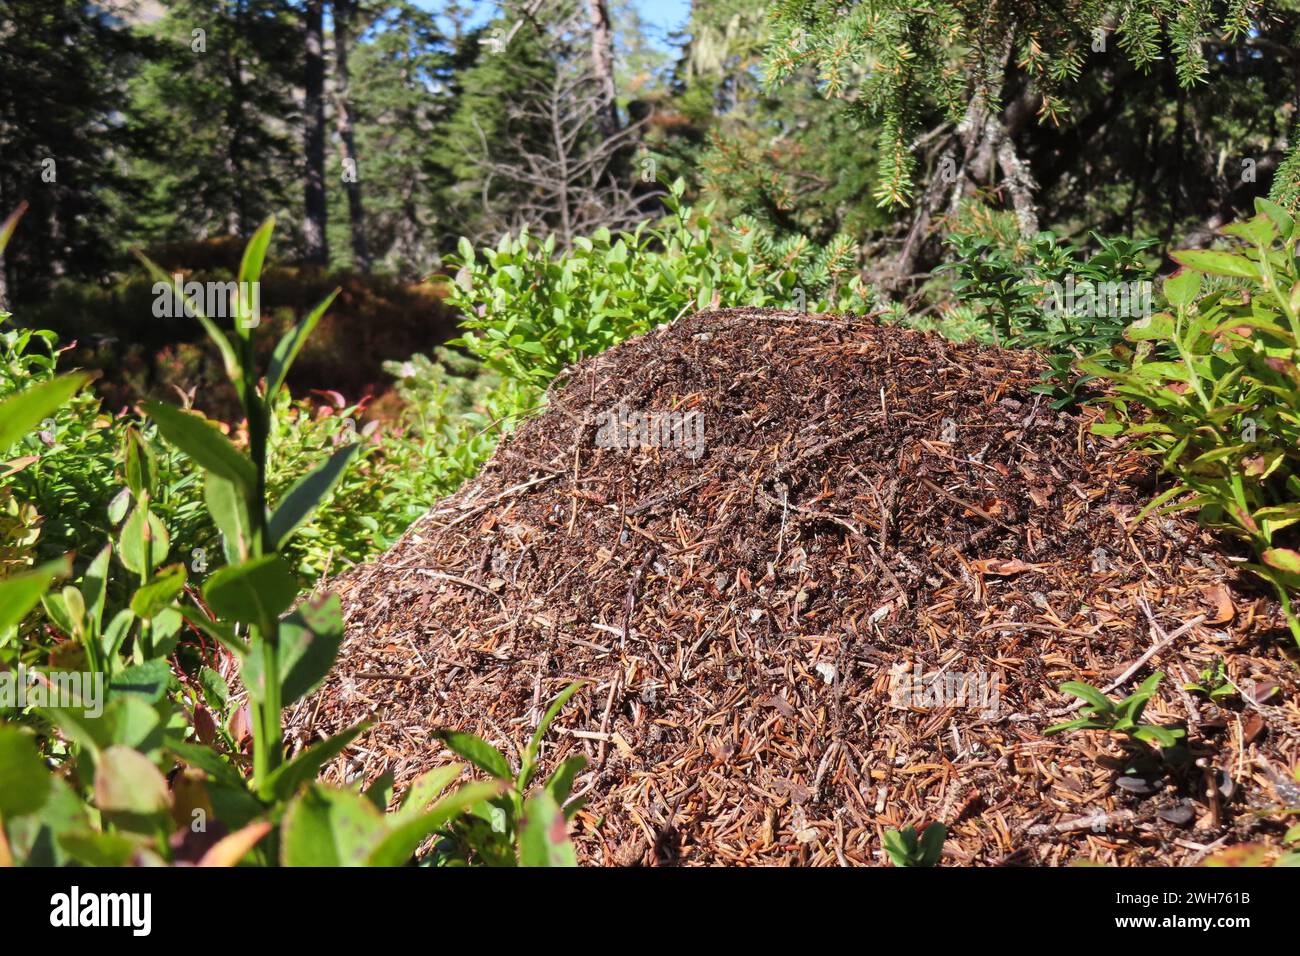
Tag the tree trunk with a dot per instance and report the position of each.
(237, 214)
(1019, 182)
(602, 65)
(343, 14)
(317, 250)
(983, 144)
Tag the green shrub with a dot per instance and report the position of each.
(509, 829)
(62, 488)
(906, 848)
(1219, 378)
(138, 763)
(1125, 717)
(63, 468)
(534, 312)
(447, 432)
(1049, 295)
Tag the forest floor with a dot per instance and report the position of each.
(850, 613)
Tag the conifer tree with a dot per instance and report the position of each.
(315, 238)
(345, 22)
(988, 70)
(63, 69)
(218, 95)
(403, 84)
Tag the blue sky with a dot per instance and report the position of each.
(665, 15)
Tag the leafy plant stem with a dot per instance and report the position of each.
(1292, 622)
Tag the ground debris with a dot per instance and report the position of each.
(849, 613)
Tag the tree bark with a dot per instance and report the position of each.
(317, 245)
(344, 11)
(983, 144)
(1019, 182)
(237, 215)
(602, 65)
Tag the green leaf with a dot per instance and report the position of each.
(93, 848)
(1217, 263)
(215, 689)
(1281, 218)
(26, 781)
(118, 505)
(208, 760)
(402, 840)
(34, 838)
(1158, 327)
(477, 751)
(560, 784)
(10, 224)
(544, 834)
(425, 788)
(1130, 710)
(250, 266)
(306, 494)
(328, 827)
(902, 848)
(380, 791)
(60, 615)
(115, 634)
(130, 719)
(229, 511)
(1155, 503)
(290, 344)
(1081, 723)
(21, 413)
(140, 469)
(309, 643)
(1151, 684)
(1090, 694)
(1148, 733)
(287, 778)
(1182, 288)
(234, 371)
(149, 681)
(126, 781)
(94, 586)
(250, 271)
(1259, 230)
(931, 845)
(254, 592)
(1108, 428)
(19, 593)
(143, 542)
(159, 592)
(1283, 559)
(203, 442)
(530, 755)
